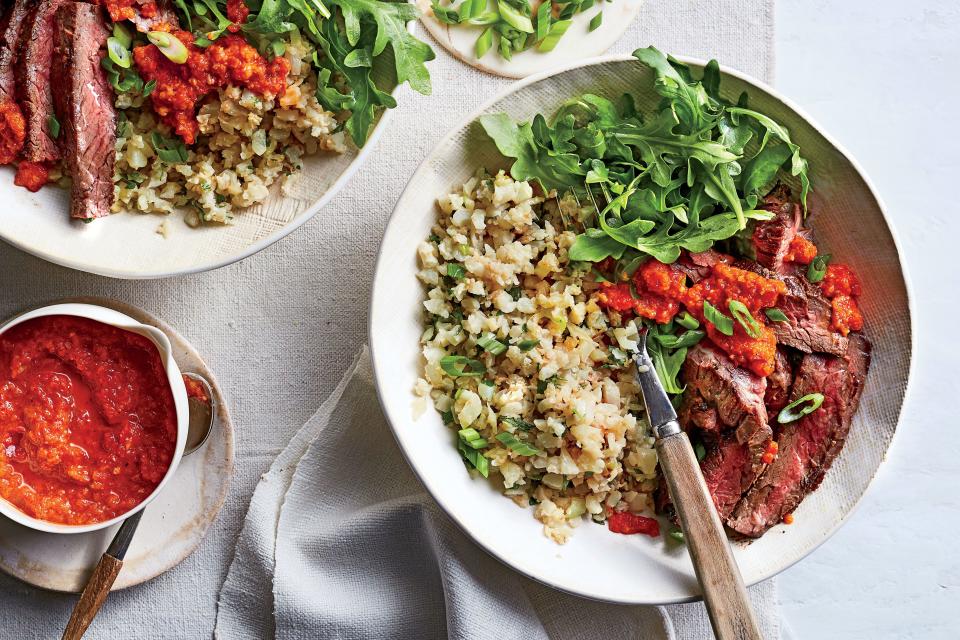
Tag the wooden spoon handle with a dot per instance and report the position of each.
(93, 596)
(723, 592)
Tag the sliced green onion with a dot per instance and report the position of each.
(472, 438)
(722, 323)
(471, 8)
(118, 53)
(556, 32)
(517, 423)
(514, 18)
(688, 321)
(506, 48)
(527, 345)
(688, 339)
(475, 459)
(544, 18)
(460, 366)
(484, 42)
(776, 315)
(800, 407)
(676, 534)
(169, 45)
(445, 15)
(485, 18)
(490, 344)
(53, 126)
(745, 318)
(516, 445)
(596, 20)
(818, 267)
(122, 35)
(456, 271)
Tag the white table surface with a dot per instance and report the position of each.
(881, 76)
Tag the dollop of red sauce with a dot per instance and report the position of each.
(237, 12)
(13, 131)
(230, 60)
(658, 291)
(128, 9)
(195, 389)
(801, 251)
(87, 419)
(841, 285)
(628, 523)
(32, 175)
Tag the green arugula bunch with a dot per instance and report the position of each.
(512, 26)
(354, 39)
(690, 174)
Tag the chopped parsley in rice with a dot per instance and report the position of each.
(524, 366)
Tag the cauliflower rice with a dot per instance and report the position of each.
(247, 143)
(496, 267)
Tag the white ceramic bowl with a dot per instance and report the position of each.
(160, 340)
(849, 222)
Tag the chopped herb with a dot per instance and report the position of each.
(776, 315)
(677, 535)
(527, 345)
(53, 126)
(686, 339)
(508, 439)
(745, 318)
(447, 417)
(169, 150)
(456, 270)
(699, 450)
(518, 423)
(457, 366)
(722, 323)
(490, 344)
(533, 501)
(516, 293)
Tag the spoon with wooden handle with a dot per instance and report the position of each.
(731, 614)
(203, 417)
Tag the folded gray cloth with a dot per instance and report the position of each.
(341, 541)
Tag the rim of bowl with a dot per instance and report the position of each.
(342, 181)
(537, 77)
(174, 379)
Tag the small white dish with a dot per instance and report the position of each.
(849, 222)
(162, 343)
(578, 43)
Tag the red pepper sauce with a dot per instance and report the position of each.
(195, 389)
(120, 10)
(801, 251)
(13, 131)
(658, 291)
(237, 12)
(87, 419)
(628, 523)
(842, 287)
(32, 175)
(230, 60)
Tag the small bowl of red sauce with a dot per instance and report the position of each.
(93, 417)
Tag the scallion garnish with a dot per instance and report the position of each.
(118, 53)
(557, 29)
(461, 366)
(527, 345)
(677, 535)
(776, 315)
(596, 21)
(484, 42)
(517, 423)
(515, 445)
(722, 323)
(514, 18)
(475, 459)
(456, 271)
(53, 126)
(472, 438)
(800, 407)
(122, 35)
(745, 318)
(490, 344)
(818, 267)
(169, 45)
(688, 321)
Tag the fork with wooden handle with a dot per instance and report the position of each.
(723, 592)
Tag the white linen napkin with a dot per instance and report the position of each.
(343, 542)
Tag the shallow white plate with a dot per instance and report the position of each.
(127, 245)
(578, 43)
(849, 223)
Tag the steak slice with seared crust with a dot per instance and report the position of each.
(772, 238)
(721, 397)
(84, 103)
(778, 383)
(12, 23)
(34, 92)
(698, 266)
(808, 446)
